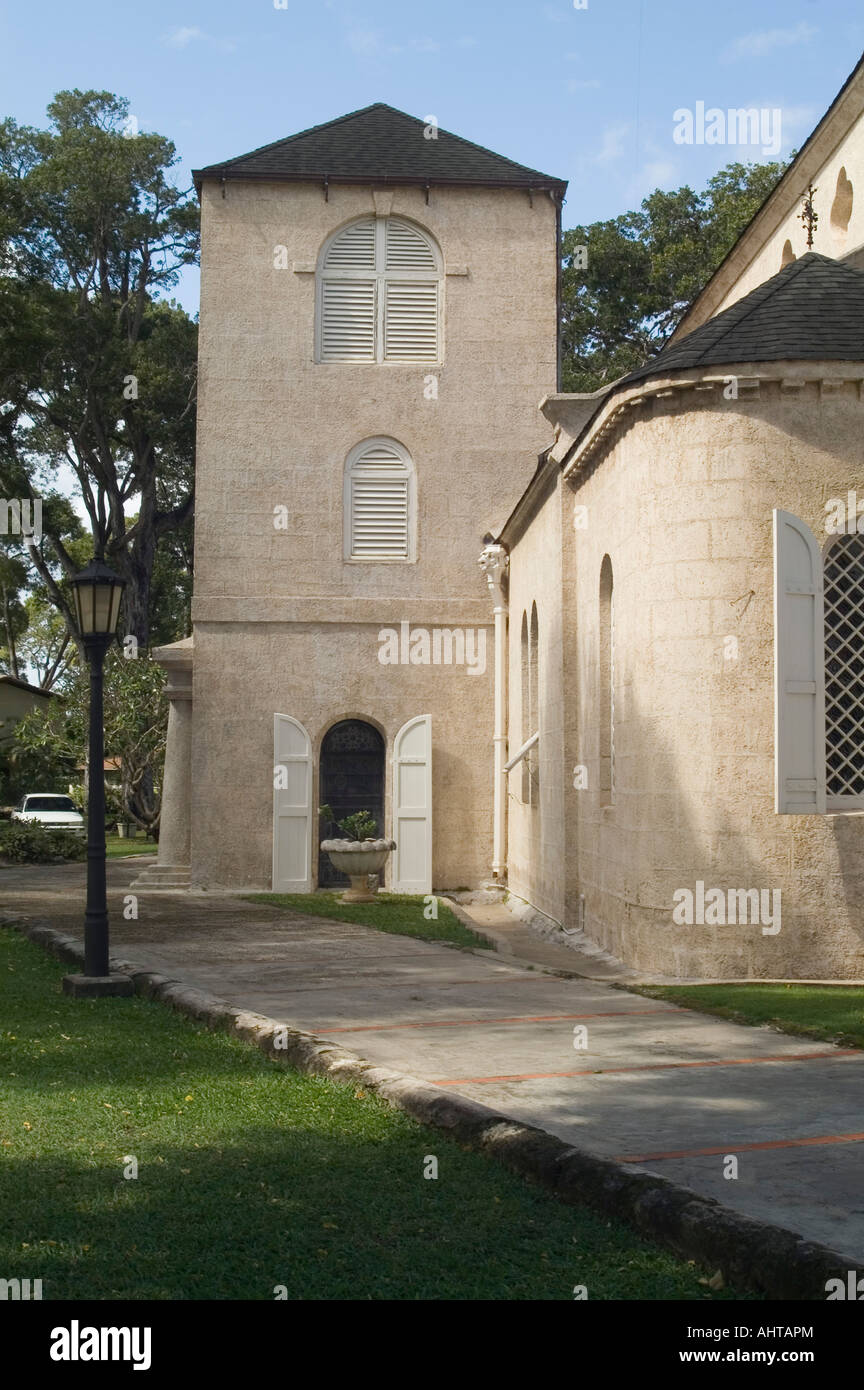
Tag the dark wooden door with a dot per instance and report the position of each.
(352, 779)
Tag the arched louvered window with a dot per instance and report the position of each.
(379, 502)
(379, 294)
(844, 671)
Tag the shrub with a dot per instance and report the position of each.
(28, 842)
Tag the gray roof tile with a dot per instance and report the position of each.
(383, 144)
(812, 310)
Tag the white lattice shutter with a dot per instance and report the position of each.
(412, 807)
(292, 806)
(799, 669)
(379, 503)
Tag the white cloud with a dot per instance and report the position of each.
(611, 143)
(181, 38)
(759, 45)
(658, 173)
(466, 42)
(367, 43)
(582, 85)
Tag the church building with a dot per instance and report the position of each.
(642, 714)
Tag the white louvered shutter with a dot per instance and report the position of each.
(379, 503)
(348, 296)
(348, 314)
(410, 295)
(411, 321)
(354, 248)
(799, 669)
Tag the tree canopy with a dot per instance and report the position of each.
(644, 268)
(97, 366)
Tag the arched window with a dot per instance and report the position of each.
(526, 729)
(379, 294)
(607, 682)
(379, 502)
(530, 723)
(788, 255)
(844, 667)
(534, 697)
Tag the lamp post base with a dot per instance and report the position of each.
(97, 986)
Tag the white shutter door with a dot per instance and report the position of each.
(412, 803)
(799, 669)
(348, 320)
(411, 320)
(292, 806)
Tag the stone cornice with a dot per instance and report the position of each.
(792, 378)
(214, 609)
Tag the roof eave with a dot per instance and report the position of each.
(542, 184)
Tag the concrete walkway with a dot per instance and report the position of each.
(674, 1090)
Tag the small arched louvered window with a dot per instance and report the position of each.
(379, 502)
(379, 294)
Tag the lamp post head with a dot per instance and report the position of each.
(98, 591)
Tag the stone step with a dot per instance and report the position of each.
(162, 876)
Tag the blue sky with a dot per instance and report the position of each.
(587, 95)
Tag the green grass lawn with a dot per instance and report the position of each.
(829, 1014)
(401, 913)
(252, 1176)
(117, 848)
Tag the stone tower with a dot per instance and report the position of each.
(378, 325)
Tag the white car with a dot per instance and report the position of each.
(52, 811)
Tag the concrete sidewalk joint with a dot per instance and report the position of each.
(751, 1254)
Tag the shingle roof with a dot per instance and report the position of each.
(812, 310)
(383, 144)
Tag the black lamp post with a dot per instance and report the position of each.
(98, 591)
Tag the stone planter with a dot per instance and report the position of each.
(358, 859)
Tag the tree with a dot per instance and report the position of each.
(645, 268)
(13, 613)
(97, 369)
(136, 723)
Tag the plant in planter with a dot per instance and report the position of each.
(362, 853)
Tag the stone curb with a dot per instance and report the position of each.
(750, 1254)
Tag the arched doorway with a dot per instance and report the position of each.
(352, 779)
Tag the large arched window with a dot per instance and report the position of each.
(607, 682)
(379, 502)
(379, 294)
